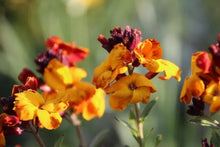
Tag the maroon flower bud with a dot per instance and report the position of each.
(10, 120)
(205, 143)
(197, 108)
(43, 59)
(150, 75)
(130, 37)
(31, 83)
(17, 89)
(25, 74)
(8, 104)
(215, 51)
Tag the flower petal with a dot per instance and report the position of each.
(160, 65)
(49, 120)
(26, 104)
(57, 76)
(95, 106)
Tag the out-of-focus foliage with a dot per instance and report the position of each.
(182, 27)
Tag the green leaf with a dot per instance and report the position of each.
(134, 132)
(59, 142)
(205, 122)
(215, 139)
(99, 138)
(147, 109)
(132, 119)
(158, 140)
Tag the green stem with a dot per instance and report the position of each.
(139, 124)
(76, 123)
(34, 131)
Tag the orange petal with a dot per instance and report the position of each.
(215, 105)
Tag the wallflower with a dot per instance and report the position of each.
(30, 105)
(81, 96)
(88, 100)
(204, 84)
(129, 90)
(149, 53)
(115, 64)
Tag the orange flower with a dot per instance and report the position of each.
(129, 90)
(149, 53)
(115, 64)
(192, 86)
(30, 104)
(87, 100)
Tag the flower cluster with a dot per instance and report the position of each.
(42, 102)
(126, 52)
(204, 84)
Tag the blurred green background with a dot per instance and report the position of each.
(182, 27)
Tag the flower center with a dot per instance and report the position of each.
(132, 86)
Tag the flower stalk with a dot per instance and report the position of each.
(139, 124)
(34, 131)
(76, 123)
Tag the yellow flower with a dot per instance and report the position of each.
(115, 64)
(81, 96)
(60, 77)
(129, 90)
(149, 53)
(192, 86)
(30, 104)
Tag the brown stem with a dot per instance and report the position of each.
(139, 124)
(76, 123)
(34, 131)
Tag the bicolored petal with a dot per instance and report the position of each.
(95, 106)
(160, 65)
(49, 120)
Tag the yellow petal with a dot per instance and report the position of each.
(26, 104)
(49, 120)
(160, 65)
(57, 75)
